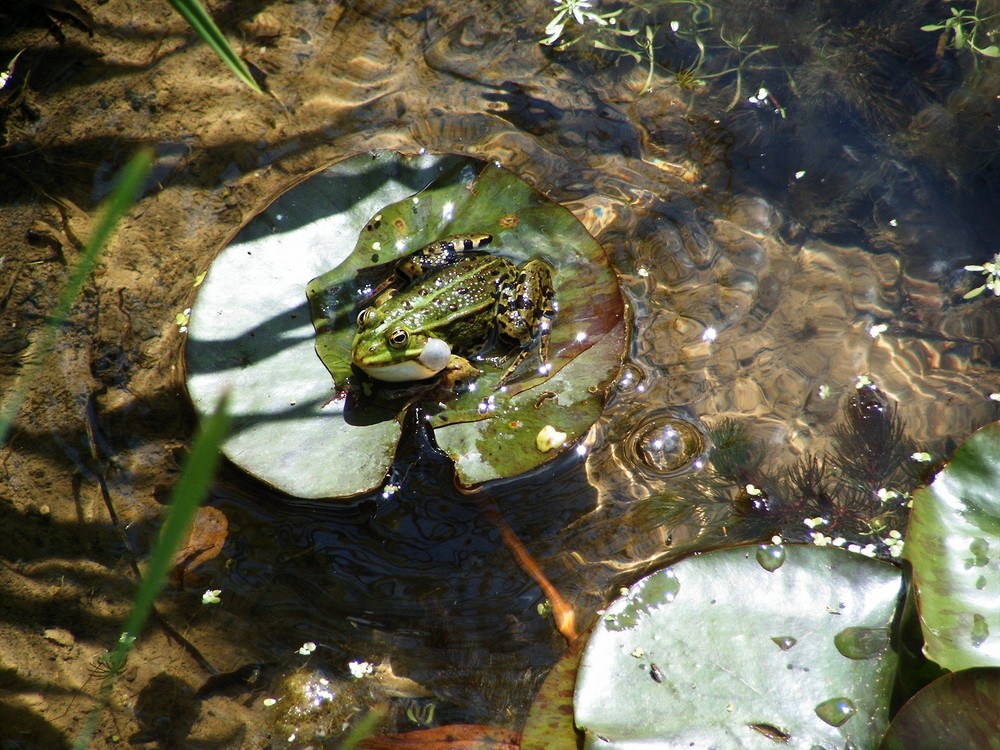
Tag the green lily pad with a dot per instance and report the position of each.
(959, 710)
(745, 647)
(953, 543)
(549, 725)
(250, 332)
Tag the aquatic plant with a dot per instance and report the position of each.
(579, 11)
(991, 270)
(964, 28)
(637, 37)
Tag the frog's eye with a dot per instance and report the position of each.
(367, 318)
(398, 338)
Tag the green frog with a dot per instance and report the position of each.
(445, 303)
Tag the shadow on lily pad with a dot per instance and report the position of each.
(309, 429)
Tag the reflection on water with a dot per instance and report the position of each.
(783, 224)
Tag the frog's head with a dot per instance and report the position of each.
(387, 351)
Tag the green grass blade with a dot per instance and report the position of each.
(192, 487)
(202, 23)
(130, 182)
(196, 476)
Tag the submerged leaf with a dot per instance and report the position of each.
(452, 737)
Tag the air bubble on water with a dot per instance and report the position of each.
(664, 445)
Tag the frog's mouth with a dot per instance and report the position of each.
(433, 358)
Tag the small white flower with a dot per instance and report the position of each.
(268, 702)
(922, 457)
(182, 319)
(580, 11)
(211, 596)
(812, 523)
(894, 542)
(754, 491)
(307, 648)
(839, 542)
(360, 668)
(824, 391)
(863, 381)
(819, 539)
(876, 331)
(776, 539)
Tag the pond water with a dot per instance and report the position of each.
(788, 191)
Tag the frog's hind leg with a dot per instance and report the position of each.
(525, 312)
(444, 252)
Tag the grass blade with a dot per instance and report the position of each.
(202, 23)
(197, 472)
(130, 182)
(192, 487)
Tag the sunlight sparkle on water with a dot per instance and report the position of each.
(448, 211)
(710, 334)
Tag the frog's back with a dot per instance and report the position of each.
(458, 303)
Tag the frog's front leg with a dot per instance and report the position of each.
(459, 373)
(525, 310)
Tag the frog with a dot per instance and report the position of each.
(446, 303)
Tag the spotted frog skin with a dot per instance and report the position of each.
(446, 302)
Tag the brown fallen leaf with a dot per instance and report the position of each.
(451, 737)
(204, 542)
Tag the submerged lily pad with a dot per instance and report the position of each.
(745, 648)
(309, 430)
(953, 542)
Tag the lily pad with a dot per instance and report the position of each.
(745, 648)
(250, 328)
(953, 543)
(549, 725)
(960, 710)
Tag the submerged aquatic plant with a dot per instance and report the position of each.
(991, 270)
(964, 27)
(579, 11)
